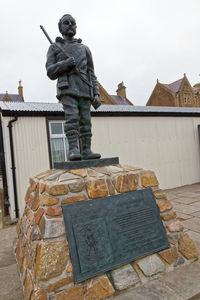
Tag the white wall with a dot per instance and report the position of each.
(31, 154)
(167, 145)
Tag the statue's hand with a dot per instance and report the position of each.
(96, 102)
(70, 62)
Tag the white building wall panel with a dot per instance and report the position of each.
(167, 145)
(31, 153)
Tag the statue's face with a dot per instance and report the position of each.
(68, 26)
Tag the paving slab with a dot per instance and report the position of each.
(183, 216)
(10, 286)
(195, 236)
(185, 200)
(192, 224)
(196, 214)
(154, 290)
(185, 281)
(185, 209)
(197, 205)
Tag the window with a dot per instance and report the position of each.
(58, 142)
(185, 99)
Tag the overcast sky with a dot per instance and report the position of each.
(135, 41)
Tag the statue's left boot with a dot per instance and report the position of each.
(86, 149)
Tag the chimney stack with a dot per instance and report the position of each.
(20, 90)
(121, 91)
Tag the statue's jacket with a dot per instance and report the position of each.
(68, 81)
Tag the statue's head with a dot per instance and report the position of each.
(67, 25)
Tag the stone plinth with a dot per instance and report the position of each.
(42, 250)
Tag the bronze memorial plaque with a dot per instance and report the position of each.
(105, 233)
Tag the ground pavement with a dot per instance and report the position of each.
(181, 284)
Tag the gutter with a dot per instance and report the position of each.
(4, 177)
(13, 164)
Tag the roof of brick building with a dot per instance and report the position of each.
(13, 97)
(174, 86)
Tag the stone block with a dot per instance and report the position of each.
(51, 228)
(45, 173)
(96, 188)
(79, 172)
(110, 187)
(179, 261)
(124, 277)
(54, 286)
(35, 234)
(170, 255)
(151, 265)
(69, 268)
(31, 199)
(74, 293)
(174, 226)
(92, 173)
(54, 211)
(149, 179)
(168, 216)
(76, 185)
(100, 288)
(187, 247)
(164, 205)
(47, 200)
(56, 190)
(35, 202)
(30, 217)
(33, 184)
(77, 198)
(173, 238)
(42, 188)
(28, 192)
(38, 215)
(28, 286)
(18, 230)
(160, 194)
(68, 176)
(125, 182)
(39, 294)
(30, 254)
(51, 260)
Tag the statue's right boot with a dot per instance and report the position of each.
(74, 152)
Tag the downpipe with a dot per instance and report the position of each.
(13, 164)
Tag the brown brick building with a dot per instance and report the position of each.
(119, 99)
(177, 93)
(13, 97)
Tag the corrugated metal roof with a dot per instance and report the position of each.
(39, 108)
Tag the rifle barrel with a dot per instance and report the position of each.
(46, 34)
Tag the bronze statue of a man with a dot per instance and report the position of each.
(70, 62)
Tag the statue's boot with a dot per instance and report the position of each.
(86, 149)
(74, 152)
